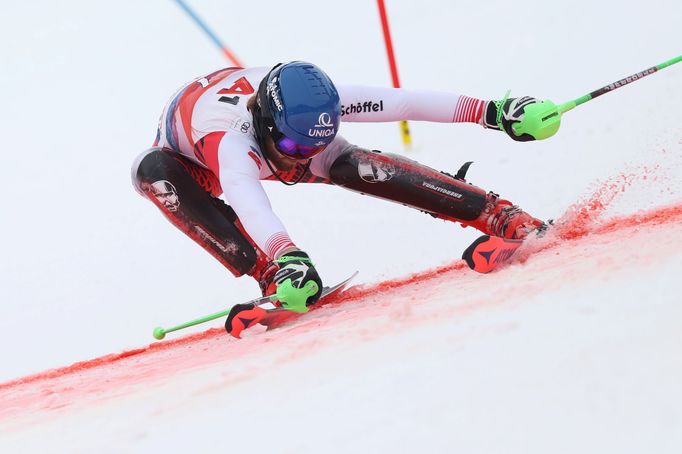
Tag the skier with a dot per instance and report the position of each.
(224, 132)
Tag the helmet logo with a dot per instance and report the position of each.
(272, 90)
(325, 121)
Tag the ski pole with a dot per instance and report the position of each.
(159, 332)
(542, 120)
(610, 87)
(210, 33)
(308, 289)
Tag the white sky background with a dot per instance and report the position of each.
(88, 267)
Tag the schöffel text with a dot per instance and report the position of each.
(363, 107)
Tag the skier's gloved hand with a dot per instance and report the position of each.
(509, 114)
(298, 284)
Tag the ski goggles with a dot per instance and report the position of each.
(265, 126)
(290, 148)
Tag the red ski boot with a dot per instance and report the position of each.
(506, 226)
(501, 218)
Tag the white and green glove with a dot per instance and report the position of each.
(523, 119)
(298, 284)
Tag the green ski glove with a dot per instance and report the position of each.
(298, 284)
(523, 119)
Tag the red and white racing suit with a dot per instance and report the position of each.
(207, 121)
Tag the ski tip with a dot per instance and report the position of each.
(490, 252)
(468, 254)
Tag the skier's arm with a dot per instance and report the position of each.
(248, 199)
(245, 194)
(239, 178)
(380, 104)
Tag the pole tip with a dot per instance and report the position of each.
(159, 333)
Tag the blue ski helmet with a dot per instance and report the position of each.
(298, 106)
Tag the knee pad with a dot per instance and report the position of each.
(136, 175)
(392, 177)
(152, 163)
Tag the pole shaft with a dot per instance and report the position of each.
(620, 83)
(208, 318)
(198, 321)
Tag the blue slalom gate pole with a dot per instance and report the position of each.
(197, 20)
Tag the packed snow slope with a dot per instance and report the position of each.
(88, 266)
(573, 348)
(562, 351)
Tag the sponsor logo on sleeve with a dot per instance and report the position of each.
(241, 126)
(363, 107)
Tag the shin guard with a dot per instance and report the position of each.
(393, 177)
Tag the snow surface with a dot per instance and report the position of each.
(575, 347)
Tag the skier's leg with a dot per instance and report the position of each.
(186, 194)
(444, 196)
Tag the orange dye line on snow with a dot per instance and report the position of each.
(352, 294)
(111, 375)
(579, 226)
